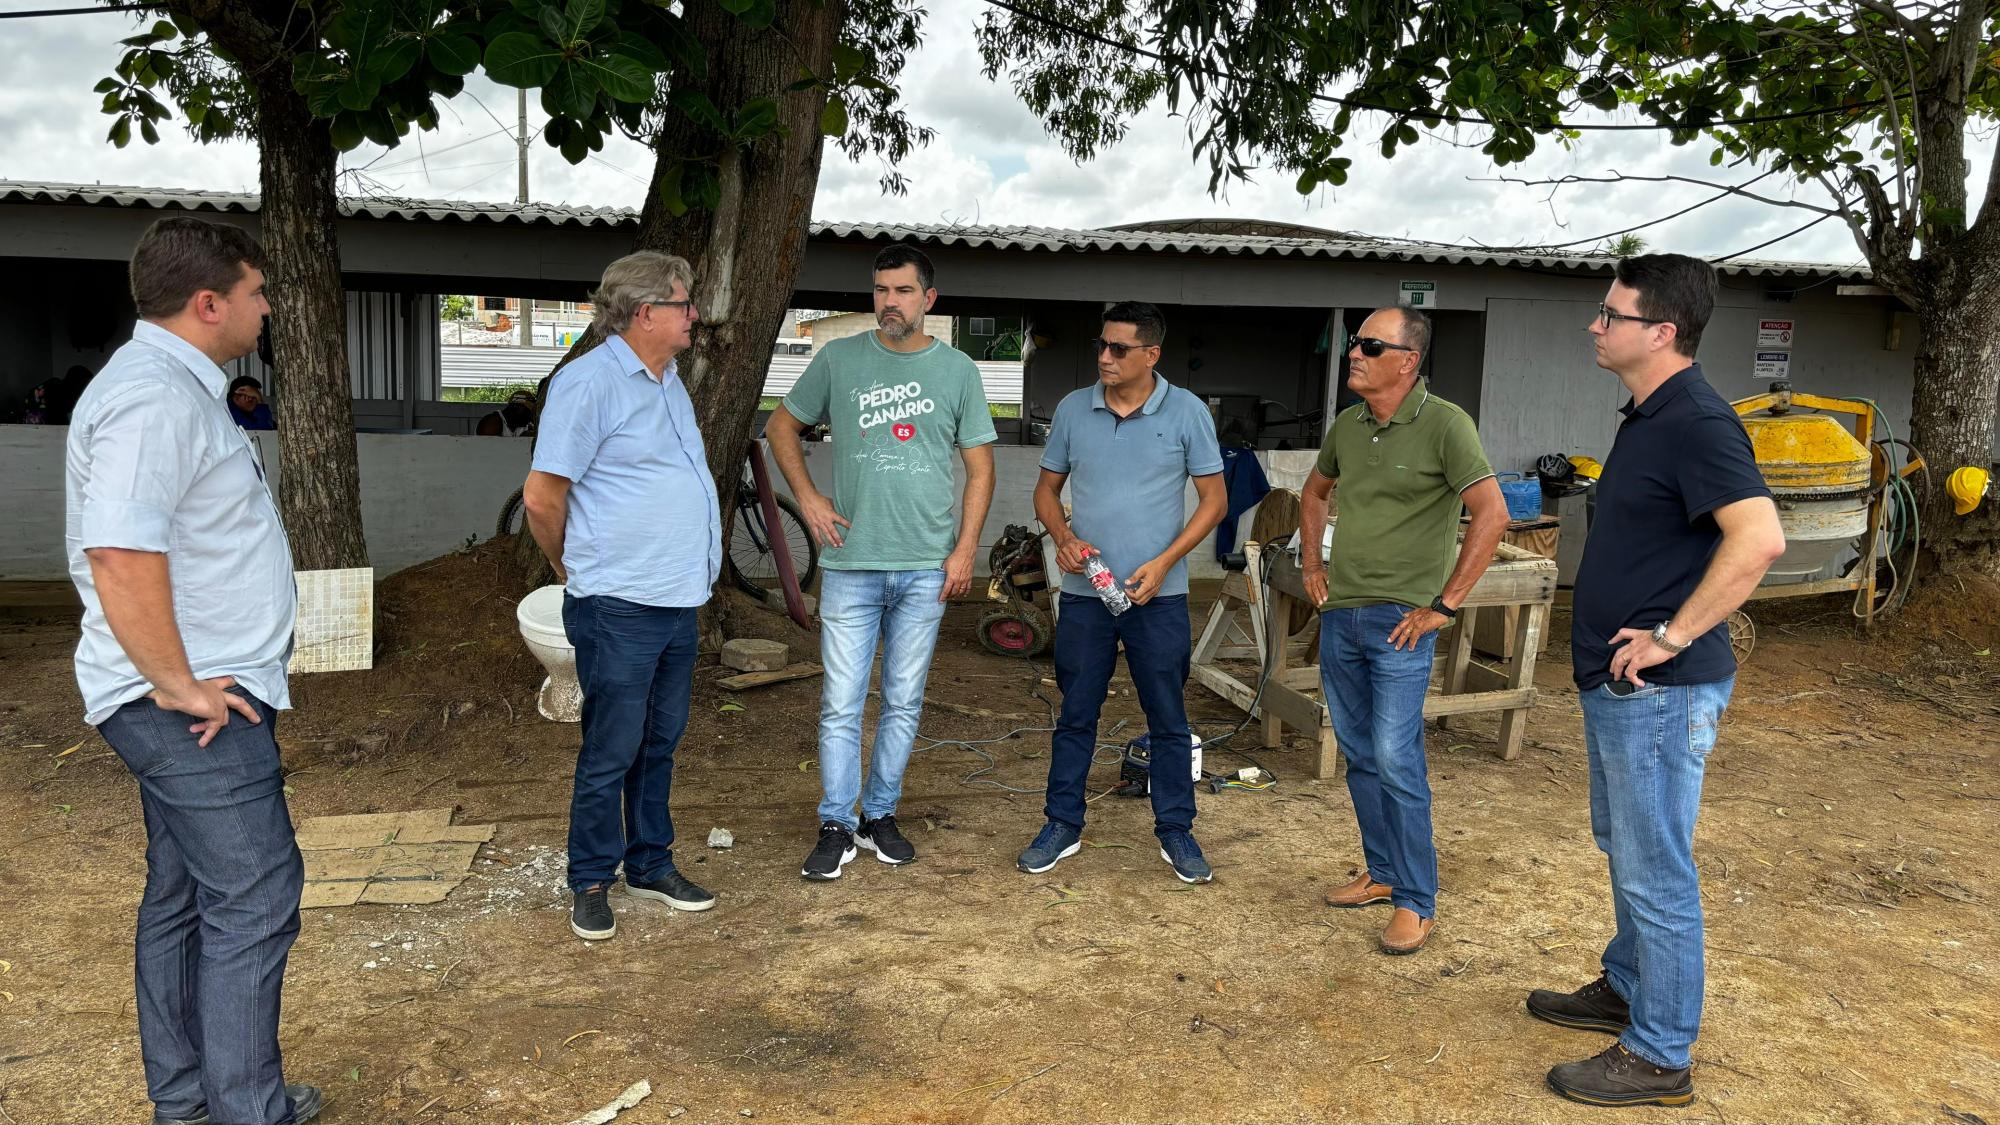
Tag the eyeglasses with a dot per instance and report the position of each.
(1373, 348)
(686, 306)
(1605, 317)
(1118, 351)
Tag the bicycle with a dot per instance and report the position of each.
(748, 561)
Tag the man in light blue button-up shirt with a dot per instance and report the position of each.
(621, 501)
(186, 578)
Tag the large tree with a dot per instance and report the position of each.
(1873, 100)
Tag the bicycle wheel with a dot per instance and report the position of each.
(510, 515)
(748, 557)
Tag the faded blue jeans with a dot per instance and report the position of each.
(1648, 751)
(856, 608)
(1375, 697)
(223, 877)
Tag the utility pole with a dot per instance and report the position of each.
(521, 197)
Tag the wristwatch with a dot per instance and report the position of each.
(1660, 638)
(1438, 606)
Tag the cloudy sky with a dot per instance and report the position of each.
(990, 163)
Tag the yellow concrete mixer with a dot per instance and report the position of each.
(1836, 492)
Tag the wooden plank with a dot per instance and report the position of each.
(1301, 679)
(1220, 621)
(1437, 705)
(1527, 643)
(797, 671)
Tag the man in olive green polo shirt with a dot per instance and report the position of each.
(1405, 460)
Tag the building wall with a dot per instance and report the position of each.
(827, 329)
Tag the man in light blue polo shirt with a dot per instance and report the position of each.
(621, 501)
(188, 602)
(1127, 446)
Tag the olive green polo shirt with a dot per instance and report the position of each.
(1396, 537)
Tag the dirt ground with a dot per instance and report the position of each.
(1847, 846)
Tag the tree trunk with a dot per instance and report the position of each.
(746, 252)
(1952, 410)
(319, 485)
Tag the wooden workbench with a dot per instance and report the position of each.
(1518, 582)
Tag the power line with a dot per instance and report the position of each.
(1405, 112)
(79, 11)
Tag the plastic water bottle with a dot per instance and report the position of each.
(1105, 583)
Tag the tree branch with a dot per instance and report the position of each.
(1915, 29)
(1618, 177)
(1631, 229)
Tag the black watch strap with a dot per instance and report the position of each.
(1438, 606)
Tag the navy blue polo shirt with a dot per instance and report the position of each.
(1678, 457)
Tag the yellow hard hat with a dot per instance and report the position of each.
(1588, 467)
(1967, 487)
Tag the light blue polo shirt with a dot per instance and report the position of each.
(644, 525)
(1128, 476)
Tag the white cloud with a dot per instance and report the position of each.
(990, 163)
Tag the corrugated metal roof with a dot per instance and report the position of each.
(1014, 238)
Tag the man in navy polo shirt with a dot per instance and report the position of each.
(1127, 446)
(1683, 532)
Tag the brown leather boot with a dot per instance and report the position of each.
(1363, 891)
(1406, 932)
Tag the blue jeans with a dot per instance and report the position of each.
(1156, 639)
(636, 665)
(221, 908)
(856, 607)
(1375, 697)
(1647, 754)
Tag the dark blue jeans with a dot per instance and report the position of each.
(1156, 640)
(1375, 697)
(221, 908)
(636, 666)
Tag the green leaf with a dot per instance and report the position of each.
(573, 90)
(735, 7)
(761, 14)
(121, 132)
(345, 133)
(670, 189)
(1308, 180)
(848, 60)
(641, 50)
(146, 130)
(681, 46)
(625, 79)
(757, 118)
(551, 21)
(727, 708)
(357, 93)
(394, 60)
(833, 118)
(113, 102)
(701, 188)
(697, 106)
(582, 17)
(105, 86)
(452, 54)
(376, 126)
(523, 60)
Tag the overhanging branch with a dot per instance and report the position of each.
(1617, 177)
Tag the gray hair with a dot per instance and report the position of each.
(634, 280)
(1416, 330)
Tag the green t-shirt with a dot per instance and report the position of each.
(897, 421)
(1396, 537)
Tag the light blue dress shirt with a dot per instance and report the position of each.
(156, 463)
(644, 524)
(1128, 476)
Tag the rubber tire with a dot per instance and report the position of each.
(1039, 630)
(806, 573)
(509, 512)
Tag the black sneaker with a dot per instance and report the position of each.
(834, 850)
(672, 888)
(305, 1106)
(1056, 842)
(1594, 1007)
(591, 918)
(882, 837)
(1618, 1077)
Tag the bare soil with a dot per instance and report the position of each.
(1847, 846)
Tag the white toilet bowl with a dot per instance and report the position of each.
(540, 618)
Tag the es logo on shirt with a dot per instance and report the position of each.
(904, 431)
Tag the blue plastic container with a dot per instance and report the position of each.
(1524, 497)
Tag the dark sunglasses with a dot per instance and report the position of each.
(1373, 348)
(1118, 351)
(1605, 317)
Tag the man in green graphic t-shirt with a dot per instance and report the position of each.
(899, 404)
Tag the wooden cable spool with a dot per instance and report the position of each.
(1277, 517)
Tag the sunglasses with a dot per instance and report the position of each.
(1606, 317)
(1373, 348)
(1118, 351)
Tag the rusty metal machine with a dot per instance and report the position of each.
(1838, 490)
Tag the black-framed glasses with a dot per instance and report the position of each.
(1607, 317)
(1373, 348)
(686, 306)
(1118, 351)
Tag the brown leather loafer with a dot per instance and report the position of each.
(1406, 932)
(1363, 891)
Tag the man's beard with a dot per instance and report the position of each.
(895, 328)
